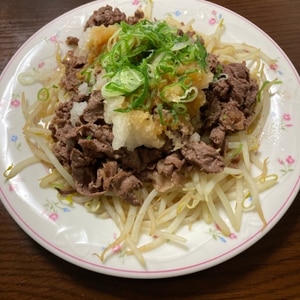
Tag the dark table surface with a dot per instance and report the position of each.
(270, 269)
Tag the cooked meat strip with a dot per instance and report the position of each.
(203, 156)
(230, 101)
(73, 65)
(217, 136)
(72, 41)
(106, 15)
(94, 110)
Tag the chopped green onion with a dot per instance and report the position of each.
(219, 70)
(266, 84)
(237, 151)
(180, 108)
(150, 59)
(43, 94)
(177, 92)
(126, 81)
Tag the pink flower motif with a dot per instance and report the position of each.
(53, 216)
(290, 160)
(280, 161)
(287, 164)
(41, 64)
(15, 103)
(135, 2)
(117, 248)
(232, 236)
(214, 12)
(212, 21)
(13, 188)
(53, 38)
(286, 117)
(274, 67)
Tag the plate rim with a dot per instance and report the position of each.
(160, 273)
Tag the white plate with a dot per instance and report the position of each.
(75, 235)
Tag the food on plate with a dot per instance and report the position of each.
(152, 124)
